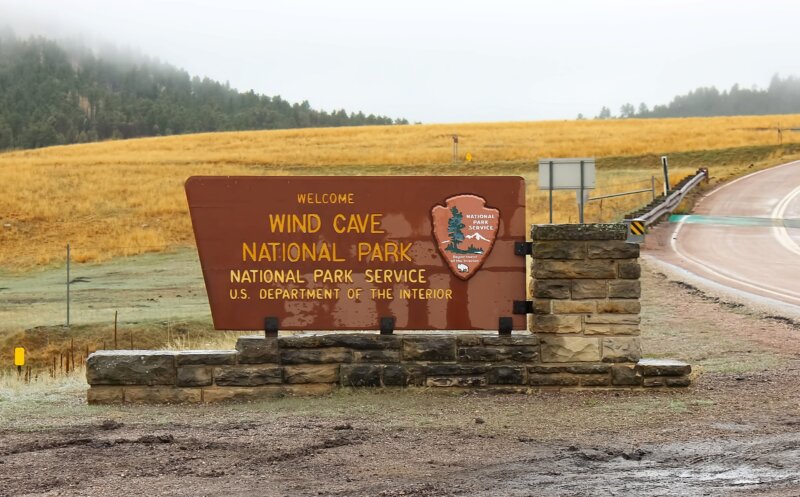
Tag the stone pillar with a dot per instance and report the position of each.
(585, 286)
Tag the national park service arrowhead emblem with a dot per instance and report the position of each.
(465, 229)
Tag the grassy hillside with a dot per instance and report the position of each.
(126, 197)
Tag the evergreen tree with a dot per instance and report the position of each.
(627, 111)
(454, 227)
(605, 113)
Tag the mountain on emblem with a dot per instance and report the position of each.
(465, 230)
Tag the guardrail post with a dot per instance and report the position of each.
(665, 165)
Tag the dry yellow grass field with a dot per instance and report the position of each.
(126, 197)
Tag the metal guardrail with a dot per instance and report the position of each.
(665, 204)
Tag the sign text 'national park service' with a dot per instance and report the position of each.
(340, 253)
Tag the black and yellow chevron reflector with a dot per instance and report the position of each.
(637, 228)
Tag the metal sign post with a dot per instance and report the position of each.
(583, 189)
(551, 191)
(567, 174)
(68, 285)
(653, 185)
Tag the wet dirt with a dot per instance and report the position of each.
(710, 448)
(735, 431)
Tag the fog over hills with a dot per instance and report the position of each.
(58, 93)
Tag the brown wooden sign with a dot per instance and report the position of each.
(340, 253)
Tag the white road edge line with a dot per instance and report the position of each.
(726, 185)
(717, 272)
(779, 232)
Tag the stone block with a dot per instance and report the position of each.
(619, 306)
(584, 269)
(559, 250)
(663, 367)
(589, 289)
(624, 289)
(621, 349)
(104, 395)
(557, 323)
(194, 376)
(653, 381)
(613, 319)
(677, 381)
(383, 356)
(578, 368)
(506, 375)
(595, 380)
(469, 340)
(403, 376)
(542, 306)
(629, 270)
(248, 375)
(579, 232)
(551, 289)
(362, 375)
(131, 367)
(316, 356)
(456, 369)
(612, 249)
(611, 329)
(205, 357)
(498, 353)
(625, 375)
(242, 394)
(553, 380)
(257, 350)
(356, 341)
(361, 341)
(559, 348)
(311, 373)
(161, 395)
(512, 340)
(429, 348)
(574, 306)
(456, 381)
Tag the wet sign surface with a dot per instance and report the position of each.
(336, 253)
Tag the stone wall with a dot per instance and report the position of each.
(585, 288)
(585, 285)
(313, 364)
(584, 334)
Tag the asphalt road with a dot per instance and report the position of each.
(744, 235)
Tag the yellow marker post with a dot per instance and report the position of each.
(19, 359)
(19, 356)
(469, 157)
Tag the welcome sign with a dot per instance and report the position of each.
(340, 253)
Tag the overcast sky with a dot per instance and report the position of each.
(449, 60)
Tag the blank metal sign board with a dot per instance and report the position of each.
(566, 174)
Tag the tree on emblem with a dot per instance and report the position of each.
(454, 227)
